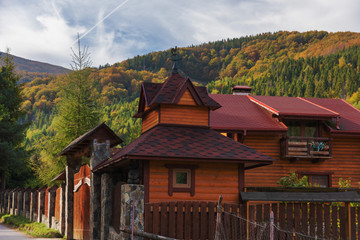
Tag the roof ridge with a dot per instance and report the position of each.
(317, 105)
(162, 87)
(261, 104)
(350, 105)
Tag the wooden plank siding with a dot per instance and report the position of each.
(345, 162)
(188, 115)
(187, 99)
(211, 180)
(57, 203)
(150, 120)
(82, 205)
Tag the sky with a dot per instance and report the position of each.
(115, 30)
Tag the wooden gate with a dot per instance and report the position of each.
(82, 203)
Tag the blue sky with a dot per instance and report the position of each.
(114, 30)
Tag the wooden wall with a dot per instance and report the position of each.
(150, 120)
(211, 180)
(188, 115)
(46, 201)
(345, 162)
(57, 203)
(187, 99)
(82, 205)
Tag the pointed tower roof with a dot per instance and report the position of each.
(171, 91)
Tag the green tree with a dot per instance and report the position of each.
(76, 113)
(12, 132)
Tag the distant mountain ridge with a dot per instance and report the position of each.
(30, 69)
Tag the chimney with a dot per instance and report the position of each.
(241, 90)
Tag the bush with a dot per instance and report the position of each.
(32, 228)
(294, 181)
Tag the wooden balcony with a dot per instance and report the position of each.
(306, 148)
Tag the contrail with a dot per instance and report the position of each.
(88, 31)
(55, 9)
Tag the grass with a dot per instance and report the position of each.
(31, 228)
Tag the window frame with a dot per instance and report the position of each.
(172, 186)
(302, 126)
(309, 174)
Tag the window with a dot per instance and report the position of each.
(302, 129)
(318, 179)
(181, 178)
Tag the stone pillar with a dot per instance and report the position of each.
(69, 202)
(10, 197)
(13, 201)
(62, 209)
(51, 205)
(20, 202)
(33, 195)
(130, 192)
(41, 204)
(100, 151)
(26, 203)
(106, 204)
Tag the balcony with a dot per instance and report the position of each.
(312, 148)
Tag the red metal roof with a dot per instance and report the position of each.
(349, 121)
(254, 112)
(293, 107)
(187, 143)
(239, 113)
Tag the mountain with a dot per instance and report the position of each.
(309, 64)
(29, 69)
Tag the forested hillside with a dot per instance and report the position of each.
(29, 69)
(310, 64)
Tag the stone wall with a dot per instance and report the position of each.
(31, 204)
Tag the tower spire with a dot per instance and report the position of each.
(174, 53)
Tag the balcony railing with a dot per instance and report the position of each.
(306, 147)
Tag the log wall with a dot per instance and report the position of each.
(150, 120)
(345, 162)
(211, 179)
(188, 115)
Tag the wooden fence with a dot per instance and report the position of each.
(197, 220)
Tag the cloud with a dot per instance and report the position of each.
(45, 30)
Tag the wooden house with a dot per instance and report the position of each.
(178, 156)
(316, 137)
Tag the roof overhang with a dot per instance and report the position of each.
(81, 145)
(121, 161)
(351, 196)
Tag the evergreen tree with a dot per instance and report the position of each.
(76, 113)
(12, 154)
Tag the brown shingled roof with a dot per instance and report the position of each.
(171, 91)
(84, 140)
(187, 144)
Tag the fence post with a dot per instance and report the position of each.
(107, 186)
(348, 220)
(271, 225)
(218, 218)
(26, 203)
(99, 151)
(33, 194)
(128, 193)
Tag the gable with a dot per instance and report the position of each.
(187, 99)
